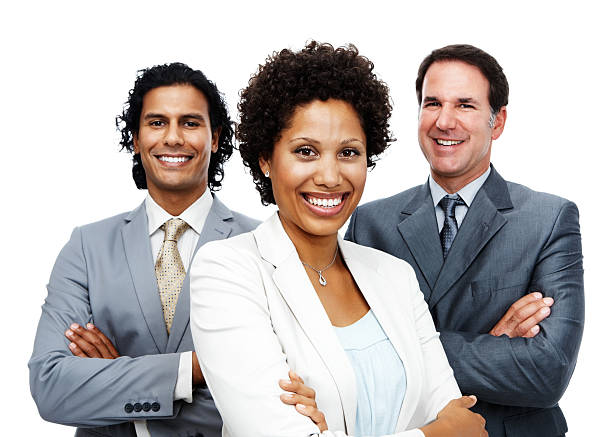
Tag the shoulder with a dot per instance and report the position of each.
(234, 250)
(537, 204)
(245, 222)
(381, 261)
(396, 202)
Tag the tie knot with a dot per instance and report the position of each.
(173, 229)
(448, 204)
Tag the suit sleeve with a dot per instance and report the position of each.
(90, 391)
(242, 358)
(531, 372)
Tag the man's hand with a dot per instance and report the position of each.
(90, 342)
(196, 372)
(303, 398)
(456, 420)
(522, 318)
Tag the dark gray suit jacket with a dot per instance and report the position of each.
(105, 275)
(513, 241)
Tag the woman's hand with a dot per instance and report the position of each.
(303, 398)
(456, 420)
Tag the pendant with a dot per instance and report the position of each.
(322, 280)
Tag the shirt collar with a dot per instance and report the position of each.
(467, 193)
(194, 216)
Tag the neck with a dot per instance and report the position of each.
(175, 202)
(452, 184)
(316, 250)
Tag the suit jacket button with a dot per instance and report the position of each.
(128, 408)
(155, 407)
(138, 407)
(146, 406)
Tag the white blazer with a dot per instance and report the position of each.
(255, 315)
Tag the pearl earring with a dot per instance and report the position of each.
(267, 173)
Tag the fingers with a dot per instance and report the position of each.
(296, 385)
(523, 316)
(105, 340)
(293, 399)
(467, 401)
(315, 415)
(92, 344)
(76, 351)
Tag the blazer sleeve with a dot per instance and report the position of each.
(531, 372)
(241, 356)
(89, 391)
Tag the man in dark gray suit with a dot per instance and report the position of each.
(113, 353)
(500, 265)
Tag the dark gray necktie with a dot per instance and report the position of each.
(449, 230)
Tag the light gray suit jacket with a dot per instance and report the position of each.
(105, 275)
(513, 241)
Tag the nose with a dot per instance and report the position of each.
(446, 118)
(328, 172)
(174, 135)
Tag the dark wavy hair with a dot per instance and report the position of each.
(128, 122)
(291, 79)
(487, 64)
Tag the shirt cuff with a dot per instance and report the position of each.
(183, 390)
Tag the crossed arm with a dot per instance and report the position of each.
(532, 372)
(528, 357)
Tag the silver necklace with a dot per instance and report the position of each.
(322, 279)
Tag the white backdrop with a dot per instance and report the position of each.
(67, 68)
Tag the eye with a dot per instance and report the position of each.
(156, 123)
(305, 152)
(192, 124)
(349, 152)
(431, 104)
(466, 106)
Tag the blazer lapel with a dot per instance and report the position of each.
(481, 223)
(295, 287)
(216, 227)
(420, 233)
(137, 247)
(372, 284)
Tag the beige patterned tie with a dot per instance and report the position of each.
(169, 268)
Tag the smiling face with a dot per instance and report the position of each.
(318, 168)
(175, 142)
(455, 129)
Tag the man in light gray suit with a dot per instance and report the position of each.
(500, 265)
(113, 353)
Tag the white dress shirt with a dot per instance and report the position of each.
(194, 216)
(467, 193)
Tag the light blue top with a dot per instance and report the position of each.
(379, 374)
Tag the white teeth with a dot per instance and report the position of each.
(448, 142)
(173, 158)
(325, 203)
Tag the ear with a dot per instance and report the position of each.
(264, 165)
(136, 145)
(214, 146)
(500, 122)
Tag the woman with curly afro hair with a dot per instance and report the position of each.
(293, 294)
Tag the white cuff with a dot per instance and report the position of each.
(183, 390)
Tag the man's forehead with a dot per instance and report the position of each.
(178, 99)
(455, 80)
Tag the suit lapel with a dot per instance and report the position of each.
(480, 224)
(137, 247)
(420, 233)
(216, 227)
(294, 285)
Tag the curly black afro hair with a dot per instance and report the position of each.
(288, 80)
(176, 73)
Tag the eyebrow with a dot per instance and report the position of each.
(312, 140)
(194, 115)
